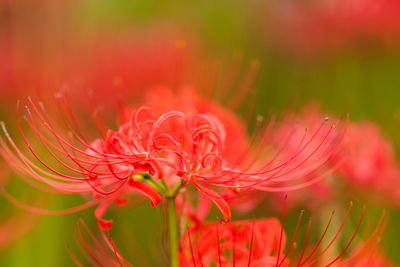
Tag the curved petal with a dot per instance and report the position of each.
(218, 200)
(147, 190)
(99, 213)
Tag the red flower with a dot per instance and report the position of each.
(158, 149)
(113, 65)
(368, 162)
(323, 27)
(372, 161)
(262, 242)
(241, 243)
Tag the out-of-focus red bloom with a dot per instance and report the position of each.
(326, 26)
(112, 65)
(135, 60)
(370, 162)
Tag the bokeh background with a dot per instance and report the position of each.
(342, 54)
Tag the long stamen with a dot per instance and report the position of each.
(87, 246)
(234, 246)
(320, 240)
(335, 237)
(41, 211)
(305, 243)
(293, 238)
(251, 243)
(281, 234)
(191, 248)
(74, 258)
(218, 245)
(350, 241)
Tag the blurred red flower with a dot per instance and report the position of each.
(323, 27)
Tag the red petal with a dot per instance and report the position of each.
(203, 207)
(105, 225)
(99, 213)
(147, 190)
(218, 200)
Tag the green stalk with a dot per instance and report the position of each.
(173, 231)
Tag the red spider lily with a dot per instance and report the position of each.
(303, 25)
(158, 152)
(178, 148)
(262, 242)
(241, 243)
(97, 175)
(370, 162)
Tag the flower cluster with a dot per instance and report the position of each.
(189, 151)
(133, 114)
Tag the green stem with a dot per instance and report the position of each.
(173, 231)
